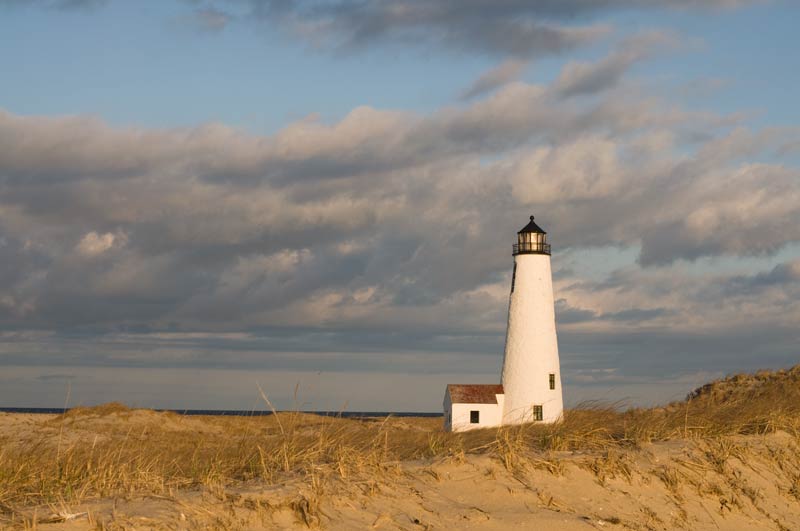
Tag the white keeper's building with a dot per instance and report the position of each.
(531, 381)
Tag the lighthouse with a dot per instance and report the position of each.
(530, 389)
(531, 375)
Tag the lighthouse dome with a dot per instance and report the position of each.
(532, 239)
(532, 227)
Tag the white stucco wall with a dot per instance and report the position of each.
(458, 420)
(531, 353)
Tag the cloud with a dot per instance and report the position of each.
(519, 29)
(55, 4)
(77, 4)
(587, 78)
(516, 28)
(47, 378)
(494, 78)
(209, 20)
(756, 218)
(94, 244)
(784, 277)
(512, 29)
(380, 219)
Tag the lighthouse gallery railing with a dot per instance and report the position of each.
(532, 247)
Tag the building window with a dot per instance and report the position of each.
(513, 277)
(474, 417)
(552, 381)
(537, 413)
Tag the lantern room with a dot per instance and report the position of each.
(532, 239)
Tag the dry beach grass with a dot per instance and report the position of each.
(728, 457)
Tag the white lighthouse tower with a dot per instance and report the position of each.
(531, 381)
(531, 376)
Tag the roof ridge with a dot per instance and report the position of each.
(474, 393)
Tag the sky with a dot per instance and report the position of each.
(206, 200)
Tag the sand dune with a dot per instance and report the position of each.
(729, 458)
(664, 486)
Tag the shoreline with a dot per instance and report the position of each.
(237, 412)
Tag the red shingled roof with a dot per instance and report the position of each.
(474, 393)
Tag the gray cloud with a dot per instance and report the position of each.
(172, 235)
(55, 4)
(55, 377)
(587, 78)
(510, 28)
(513, 28)
(517, 28)
(206, 20)
(779, 275)
(494, 78)
(362, 220)
(635, 323)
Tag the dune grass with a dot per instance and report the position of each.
(111, 450)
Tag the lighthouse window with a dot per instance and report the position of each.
(513, 278)
(537, 413)
(552, 381)
(474, 417)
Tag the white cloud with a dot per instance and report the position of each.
(93, 244)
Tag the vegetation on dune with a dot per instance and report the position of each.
(96, 411)
(112, 450)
